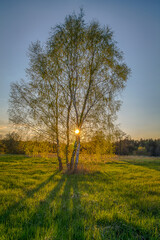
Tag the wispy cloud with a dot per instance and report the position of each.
(3, 127)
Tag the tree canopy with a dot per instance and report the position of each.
(73, 82)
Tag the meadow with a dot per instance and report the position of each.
(109, 198)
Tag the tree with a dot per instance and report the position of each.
(36, 104)
(74, 83)
(12, 143)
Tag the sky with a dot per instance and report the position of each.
(136, 27)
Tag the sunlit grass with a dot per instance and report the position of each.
(109, 198)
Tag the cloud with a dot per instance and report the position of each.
(3, 127)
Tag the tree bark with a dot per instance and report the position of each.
(60, 163)
(67, 146)
(67, 133)
(73, 155)
(58, 156)
(77, 153)
(57, 133)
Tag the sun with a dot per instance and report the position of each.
(77, 131)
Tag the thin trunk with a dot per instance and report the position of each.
(57, 134)
(67, 133)
(73, 155)
(77, 154)
(87, 93)
(58, 156)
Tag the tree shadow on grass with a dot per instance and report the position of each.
(151, 164)
(12, 158)
(70, 217)
(42, 219)
(66, 222)
(117, 228)
(4, 217)
(59, 221)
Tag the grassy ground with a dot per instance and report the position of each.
(116, 198)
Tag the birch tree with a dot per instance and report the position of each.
(37, 104)
(74, 82)
(93, 70)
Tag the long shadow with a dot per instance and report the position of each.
(42, 219)
(149, 209)
(151, 164)
(63, 215)
(9, 210)
(78, 213)
(147, 163)
(145, 209)
(70, 219)
(11, 157)
(118, 229)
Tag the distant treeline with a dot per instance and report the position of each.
(148, 147)
(12, 144)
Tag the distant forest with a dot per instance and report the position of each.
(12, 144)
(148, 147)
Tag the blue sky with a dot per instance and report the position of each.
(136, 26)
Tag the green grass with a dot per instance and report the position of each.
(110, 198)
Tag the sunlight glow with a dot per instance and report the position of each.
(77, 131)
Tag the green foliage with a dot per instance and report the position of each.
(109, 199)
(99, 144)
(74, 82)
(141, 151)
(147, 147)
(38, 148)
(2, 147)
(12, 143)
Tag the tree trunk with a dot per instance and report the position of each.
(58, 156)
(77, 154)
(57, 133)
(67, 133)
(67, 146)
(60, 163)
(73, 155)
(67, 162)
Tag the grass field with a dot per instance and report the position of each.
(113, 198)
